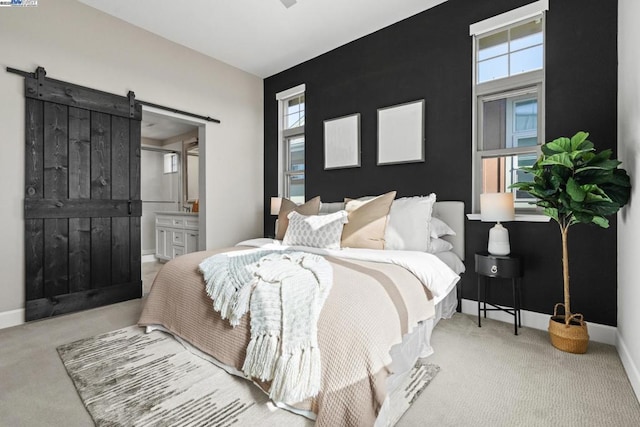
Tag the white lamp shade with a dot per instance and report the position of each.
(497, 207)
(275, 205)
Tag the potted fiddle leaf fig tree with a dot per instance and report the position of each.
(575, 184)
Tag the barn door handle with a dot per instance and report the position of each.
(130, 207)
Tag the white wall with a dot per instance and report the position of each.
(628, 342)
(78, 44)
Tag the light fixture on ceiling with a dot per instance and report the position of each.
(288, 3)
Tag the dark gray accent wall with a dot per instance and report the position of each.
(430, 56)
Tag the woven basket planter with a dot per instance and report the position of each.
(572, 338)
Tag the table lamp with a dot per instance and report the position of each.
(497, 207)
(275, 205)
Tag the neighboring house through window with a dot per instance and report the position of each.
(508, 93)
(291, 118)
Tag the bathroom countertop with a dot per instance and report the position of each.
(177, 213)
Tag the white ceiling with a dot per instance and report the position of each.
(160, 127)
(262, 37)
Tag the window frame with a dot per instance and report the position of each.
(285, 135)
(521, 84)
(288, 172)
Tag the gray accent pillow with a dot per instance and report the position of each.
(316, 231)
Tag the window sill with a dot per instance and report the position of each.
(519, 217)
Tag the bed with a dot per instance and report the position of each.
(376, 321)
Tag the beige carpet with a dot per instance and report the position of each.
(129, 378)
(488, 377)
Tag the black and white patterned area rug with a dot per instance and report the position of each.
(130, 378)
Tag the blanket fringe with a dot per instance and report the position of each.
(262, 354)
(297, 375)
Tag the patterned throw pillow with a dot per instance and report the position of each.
(316, 231)
(311, 207)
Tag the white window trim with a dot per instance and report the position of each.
(290, 93)
(535, 77)
(511, 17)
(281, 97)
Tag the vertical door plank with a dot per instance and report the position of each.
(134, 159)
(134, 194)
(100, 189)
(120, 254)
(79, 188)
(120, 158)
(56, 251)
(100, 252)
(34, 177)
(79, 154)
(100, 156)
(79, 254)
(56, 231)
(55, 151)
(120, 245)
(34, 252)
(34, 155)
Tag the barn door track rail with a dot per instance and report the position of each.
(40, 74)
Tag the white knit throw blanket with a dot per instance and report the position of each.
(285, 292)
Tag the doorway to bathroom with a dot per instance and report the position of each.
(170, 175)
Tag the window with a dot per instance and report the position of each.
(170, 163)
(508, 108)
(292, 144)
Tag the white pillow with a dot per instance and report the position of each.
(408, 226)
(440, 228)
(439, 245)
(316, 231)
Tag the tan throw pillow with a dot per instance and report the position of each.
(367, 222)
(311, 207)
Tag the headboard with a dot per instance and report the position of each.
(453, 214)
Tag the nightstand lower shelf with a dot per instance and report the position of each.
(490, 266)
(515, 311)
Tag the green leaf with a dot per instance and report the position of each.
(620, 178)
(562, 159)
(617, 194)
(551, 213)
(578, 139)
(559, 145)
(589, 168)
(575, 190)
(583, 217)
(601, 221)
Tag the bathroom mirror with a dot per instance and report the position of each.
(191, 172)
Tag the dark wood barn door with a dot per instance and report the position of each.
(82, 197)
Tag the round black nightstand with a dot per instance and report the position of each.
(500, 267)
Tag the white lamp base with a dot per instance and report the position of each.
(499, 240)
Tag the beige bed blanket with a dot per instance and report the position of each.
(370, 307)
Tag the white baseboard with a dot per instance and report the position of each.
(633, 371)
(11, 318)
(599, 333)
(148, 258)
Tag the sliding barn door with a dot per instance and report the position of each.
(82, 197)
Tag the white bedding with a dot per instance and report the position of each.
(438, 272)
(430, 269)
